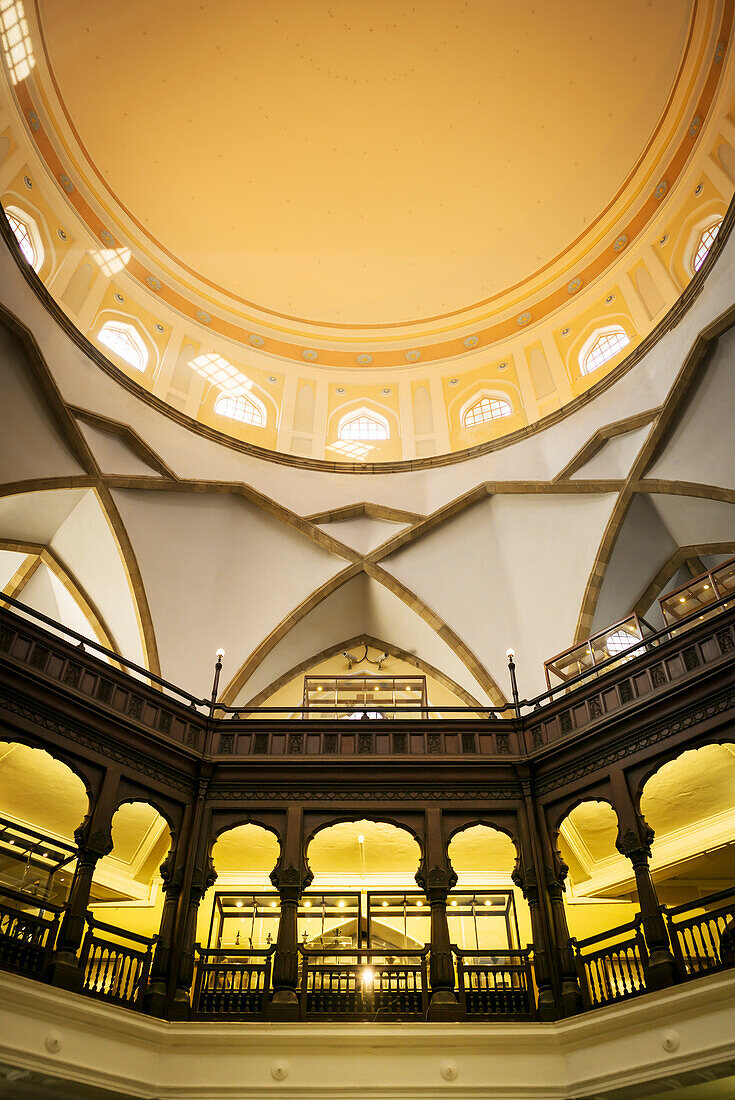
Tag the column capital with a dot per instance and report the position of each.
(437, 881)
(289, 879)
(204, 876)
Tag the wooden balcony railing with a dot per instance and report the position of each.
(362, 984)
(614, 970)
(113, 969)
(496, 984)
(232, 984)
(703, 941)
(27, 933)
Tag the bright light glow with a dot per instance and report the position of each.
(238, 904)
(487, 408)
(510, 653)
(367, 976)
(221, 373)
(125, 341)
(240, 408)
(619, 641)
(273, 904)
(16, 40)
(419, 903)
(363, 426)
(454, 903)
(350, 449)
(361, 839)
(112, 260)
(220, 653)
(307, 905)
(385, 904)
(341, 904)
(682, 599)
(26, 234)
(604, 346)
(705, 243)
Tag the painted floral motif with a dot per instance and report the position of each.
(34, 121)
(620, 242)
(66, 183)
(203, 316)
(661, 189)
(413, 356)
(153, 282)
(471, 341)
(523, 318)
(364, 359)
(574, 286)
(719, 53)
(309, 353)
(255, 340)
(694, 125)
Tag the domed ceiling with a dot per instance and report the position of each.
(360, 164)
(377, 209)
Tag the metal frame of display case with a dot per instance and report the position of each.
(588, 646)
(323, 693)
(711, 580)
(509, 913)
(313, 899)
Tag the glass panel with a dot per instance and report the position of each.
(482, 921)
(399, 923)
(687, 600)
(332, 920)
(245, 920)
(356, 697)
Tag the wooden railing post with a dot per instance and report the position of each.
(95, 841)
(290, 877)
(436, 878)
(155, 996)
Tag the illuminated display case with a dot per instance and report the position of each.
(357, 697)
(616, 640)
(699, 593)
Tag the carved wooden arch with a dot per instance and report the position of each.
(600, 793)
(641, 773)
(91, 779)
(224, 821)
(143, 798)
(511, 828)
(411, 823)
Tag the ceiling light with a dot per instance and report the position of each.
(361, 839)
(307, 905)
(454, 903)
(238, 904)
(510, 653)
(220, 654)
(682, 599)
(341, 904)
(706, 587)
(385, 903)
(273, 904)
(419, 903)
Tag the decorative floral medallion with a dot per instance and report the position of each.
(413, 356)
(364, 359)
(34, 121)
(694, 125)
(471, 341)
(107, 238)
(66, 183)
(574, 286)
(719, 53)
(661, 189)
(153, 282)
(204, 317)
(620, 242)
(523, 318)
(255, 340)
(309, 353)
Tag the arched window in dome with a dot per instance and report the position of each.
(704, 243)
(16, 40)
(27, 235)
(604, 344)
(125, 340)
(487, 408)
(240, 407)
(363, 424)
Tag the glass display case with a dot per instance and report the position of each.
(363, 697)
(698, 594)
(34, 866)
(616, 640)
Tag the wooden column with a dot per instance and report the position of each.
(290, 877)
(635, 837)
(556, 872)
(172, 875)
(436, 878)
(94, 840)
(528, 876)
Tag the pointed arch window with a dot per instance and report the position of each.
(241, 408)
(705, 242)
(126, 342)
(363, 424)
(603, 345)
(27, 235)
(487, 408)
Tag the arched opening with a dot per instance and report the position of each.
(242, 909)
(603, 345)
(364, 893)
(27, 235)
(486, 911)
(689, 802)
(484, 409)
(126, 342)
(42, 803)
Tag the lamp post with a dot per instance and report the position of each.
(510, 654)
(215, 684)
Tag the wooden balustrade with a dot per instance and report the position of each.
(114, 970)
(496, 984)
(362, 984)
(26, 938)
(232, 984)
(614, 970)
(703, 941)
